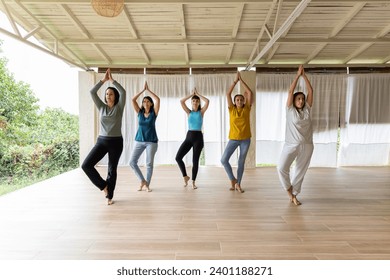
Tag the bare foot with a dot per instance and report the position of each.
(238, 188)
(110, 202)
(143, 183)
(193, 185)
(186, 179)
(105, 191)
(289, 192)
(295, 200)
(233, 184)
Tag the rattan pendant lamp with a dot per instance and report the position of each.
(108, 8)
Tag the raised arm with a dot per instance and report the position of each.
(134, 100)
(290, 98)
(98, 102)
(183, 103)
(121, 90)
(248, 94)
(156, 99)
(229, 93)
(309, 97)
(205, 100)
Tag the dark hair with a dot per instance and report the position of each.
(296, 95)
(197, 98)
(237, 95)
(116, 93)
(150, 100)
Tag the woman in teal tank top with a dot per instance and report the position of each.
(146, 137)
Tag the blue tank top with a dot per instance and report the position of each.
(195, 120)
(146, 128)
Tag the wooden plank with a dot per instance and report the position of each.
(343, 217)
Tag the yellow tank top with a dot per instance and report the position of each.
(240, 123)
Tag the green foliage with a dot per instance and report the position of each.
(34, 145)
(55, 125)
(17, 101)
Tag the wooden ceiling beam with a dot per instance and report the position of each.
(256, 47)
(286, 25)
(84, 31)
(347, 18)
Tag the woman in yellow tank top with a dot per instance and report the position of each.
(239, 133)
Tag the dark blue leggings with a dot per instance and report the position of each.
(113, 146)
(194, 140)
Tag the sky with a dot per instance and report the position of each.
(54, 82)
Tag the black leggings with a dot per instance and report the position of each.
(113, 146)
(194, 139)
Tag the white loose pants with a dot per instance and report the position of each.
(301, 153)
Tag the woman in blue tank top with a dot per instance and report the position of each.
(194, 138)
(146, 137)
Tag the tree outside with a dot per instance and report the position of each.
(34, 144)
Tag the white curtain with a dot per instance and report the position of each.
(358, 104)
(365, 134)
(171, 124)
(271, 97)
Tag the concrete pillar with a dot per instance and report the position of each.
(88, 126)
(250, 79)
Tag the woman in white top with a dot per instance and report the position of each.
(299, 138)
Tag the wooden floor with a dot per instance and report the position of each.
(345, 215)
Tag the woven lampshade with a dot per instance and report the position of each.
(108, 8)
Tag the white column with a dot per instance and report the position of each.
(250, 79)
(88, 128)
